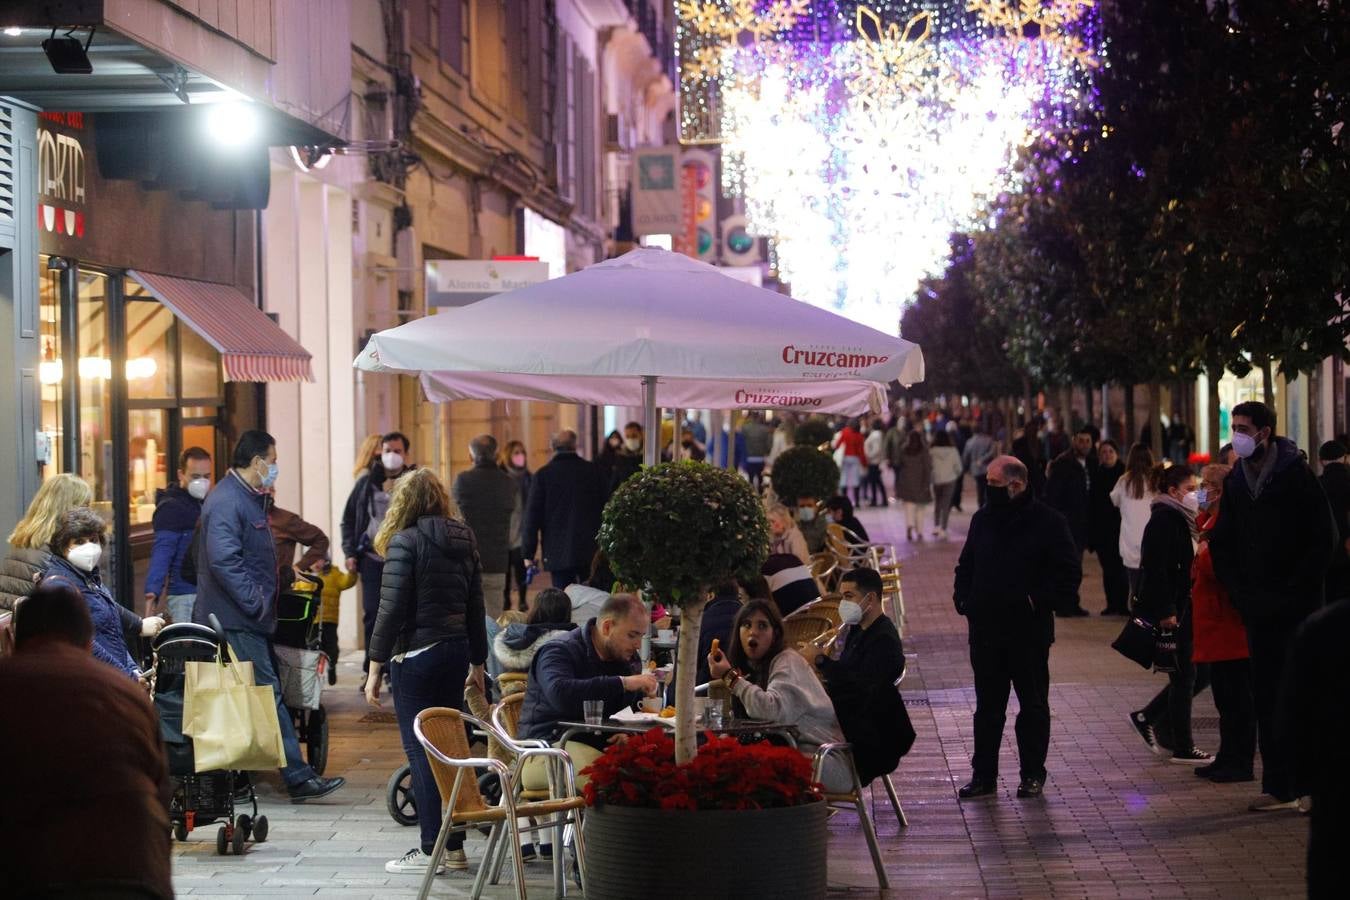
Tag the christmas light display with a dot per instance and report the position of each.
(860, 135)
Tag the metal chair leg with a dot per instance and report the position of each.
(437, 852)
(895, 801)
(513, 831)
(580, 848)
(870, 833)
(490, 854)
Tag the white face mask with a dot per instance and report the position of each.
(1244, 445)
(85, 556)
(198, 488)
(633, 444)
(850, 612)
(806, 513)
(1191, 502)
(391, 461)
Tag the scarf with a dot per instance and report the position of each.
(1172, 502)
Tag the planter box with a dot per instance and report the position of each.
(679, 854)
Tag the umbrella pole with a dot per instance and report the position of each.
(651, 446)
(675, 445)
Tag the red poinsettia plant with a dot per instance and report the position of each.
(726, 774)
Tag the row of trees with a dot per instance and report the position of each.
(1197, 220)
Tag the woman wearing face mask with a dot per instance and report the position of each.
(774, 684)
(76, 549)
(609, 454)
(1221, 642)
(785, 536)
(512, 461)
(1168, 550)
(29, 553)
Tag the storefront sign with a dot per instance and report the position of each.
(63, 189)
(459, 282)
(656, 196)
(545, 240)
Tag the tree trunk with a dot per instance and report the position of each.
(1087, 399)
(1066, 409)
(686, 730)
(1026, 398)
(1155, 420)
(1131, 433)
(1268, 382)
(1213, 374)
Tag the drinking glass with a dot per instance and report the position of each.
(594, 710)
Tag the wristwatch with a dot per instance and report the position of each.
(731, 677)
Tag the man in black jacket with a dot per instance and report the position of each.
(361, 519)
(1271, 549)
(487, 497)
(1066, 491)
(1336, 483)
(862, 681)
(1019, 564)
(566, 500)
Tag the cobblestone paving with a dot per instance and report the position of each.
(1115, 820)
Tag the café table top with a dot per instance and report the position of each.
(735, 727)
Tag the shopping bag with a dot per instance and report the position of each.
(234, 723)
(210, 675)
(301, 675)
(1137, 641)
(1165, 652)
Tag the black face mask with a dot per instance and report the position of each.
(998, 495)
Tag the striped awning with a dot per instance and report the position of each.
(252, 347)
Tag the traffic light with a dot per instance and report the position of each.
(739, 246)
(699, 182)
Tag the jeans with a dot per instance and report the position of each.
(180, 606)
(1173, 703)
(1025, 667)
(1269, 643)
(850, 475)
(1231, 682)
(434, 677)
(876, 489)
(515, 571)
(371, 569)
(942, 504)
(563, 577)
(257, 649)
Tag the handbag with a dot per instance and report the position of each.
(1165, 652)
(234, 722)
(1137, 642)
(212, 676)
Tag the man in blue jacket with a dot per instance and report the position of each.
(566, 500)
(598, 661)
(177, 509)
(237, 580)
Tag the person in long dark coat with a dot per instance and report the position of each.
(1104, 528)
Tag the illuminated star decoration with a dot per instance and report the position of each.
(1050, 18)
(721, 23)
(891, 62)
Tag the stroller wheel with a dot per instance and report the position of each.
(180, 831)
(222, 841)
(260, 830)
(244, 824)
(237, 840)
(399, 798)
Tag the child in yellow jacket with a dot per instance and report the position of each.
(335, 581)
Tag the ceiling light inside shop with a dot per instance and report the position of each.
(13, 32)
(232, 124)
(98, 368)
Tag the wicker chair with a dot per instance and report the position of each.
(798, 628)
(505, 721)
(441, 733)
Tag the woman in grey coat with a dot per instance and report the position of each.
(914, 483)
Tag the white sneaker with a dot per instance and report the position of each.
(414, 862)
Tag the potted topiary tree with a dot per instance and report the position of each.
(814, 432)
(730, 820)
(679, 530)
(804, 471)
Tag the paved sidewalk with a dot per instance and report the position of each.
(1115, 821)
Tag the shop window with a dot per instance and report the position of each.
(149, 465)
(150, 351)
(200, 366)
(50, 369)
(94, 374)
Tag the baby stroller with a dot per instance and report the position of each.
(302, 666)
(199, 798)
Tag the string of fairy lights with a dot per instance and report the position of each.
(861, 135)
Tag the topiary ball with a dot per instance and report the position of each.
(813, 432)
(680, 528)
(804, 472)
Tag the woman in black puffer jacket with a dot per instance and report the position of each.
(430, 631)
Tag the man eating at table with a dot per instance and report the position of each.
(598, 661)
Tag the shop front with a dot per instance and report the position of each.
(151, 340)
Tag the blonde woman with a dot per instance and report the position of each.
(785, 536)
(29, 550)
(367, 454)
(431, 632)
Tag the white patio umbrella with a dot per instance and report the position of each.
(649, 321)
